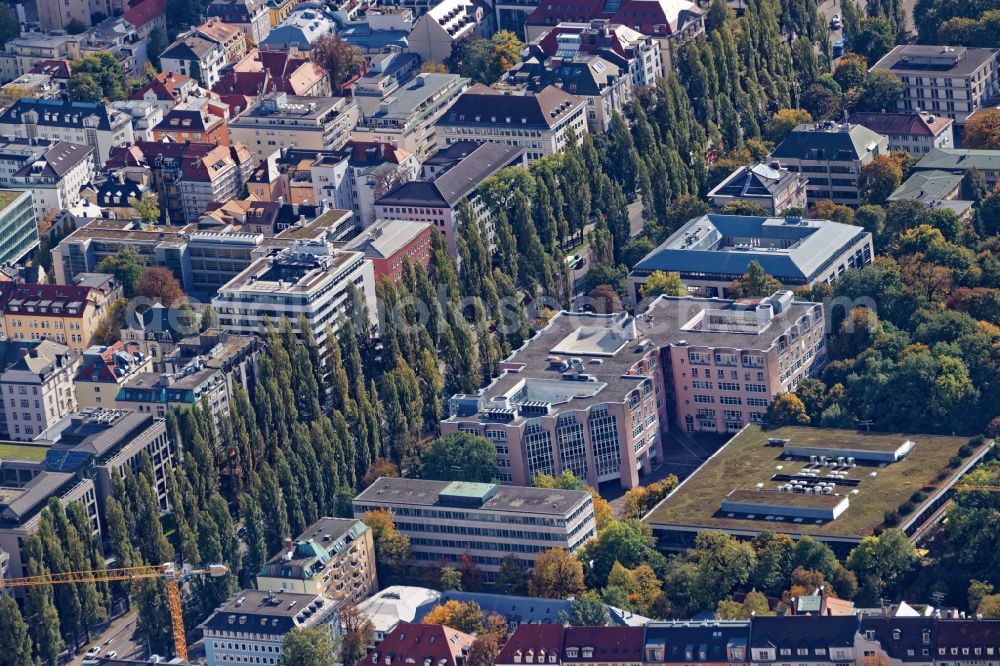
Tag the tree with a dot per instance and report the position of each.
(13, 632)
(147, 208)
(155, 45)
(486, 60)
(460, 456)
(557, 575)
(685, 208)
(874, 38)
(357, 633)
(589, 611)
(76, 27)
(784, 121)
(483, 651)
(851, 71)
(158, 283)
(754, 604)
(786, 409)
(883, 560)
(978, 590)
(821, 102)
(660, 283)
(108, 331)
(451, 579)
(755, 283)
(465, 616)
(391, 547)
(879, 178)
(97, 77)
(741, 207)
(512, 579)
(882, 89)
(824, 209)
(639, 500)
(309, 646)
(127, 266)
(433, 68)
(983, 130)
(340, 60)
(989, 607)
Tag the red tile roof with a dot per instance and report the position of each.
(101, 368)
(534, 639)
(412, 643)
(910, 124)
(57, 69)
(610, 644)
(650, 17)
(165, 86)
(144, 12)
(59, 300)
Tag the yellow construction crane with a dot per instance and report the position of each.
(169, 572)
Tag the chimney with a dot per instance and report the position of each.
(287, 543)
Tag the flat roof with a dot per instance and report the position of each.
(13, 451)
(748, 463)
(952, 60)
(776, 499)
(515, 500)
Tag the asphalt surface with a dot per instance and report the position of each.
(117, 637)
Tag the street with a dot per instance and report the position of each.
(635, 224)
(117, 638)
(831, 7)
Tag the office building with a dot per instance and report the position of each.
(103, 371)
(831, 156)
(18, 226)
(712, 251)
(406, 118)
(770, 186)
(252, 625)
(309, 278)
(388, 243)
(334, 558)
(67, 314)
(951, 81)
(484, 521)
(917, 133)
(437, 201)
(279, 121)
(537, 122)
(96, 125)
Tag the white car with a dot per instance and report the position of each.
(92, 652)
(111, 654)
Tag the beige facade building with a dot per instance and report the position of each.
(279, 121)
(333, 558)
(104, 370)
(37, 387)
(58, 14)
(484, 521)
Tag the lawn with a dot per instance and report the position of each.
(8, 196)
(747, 460)
(11, 451)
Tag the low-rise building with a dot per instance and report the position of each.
(712, 251)
(957, 161)
(437, 201)
(952, 81)
(254, 623)
(103, 371)
(387, 243)
(53, 171)
(434, 644)
(483, 521)
(917, 133)
(280, 121)
(831, 156)
(229, 35)
(334, 558)
(309, 279)
(250, 16)
(770, 186)
(540, 123)
(95, 125)
(935, 189)
(23, 53)
(145, 116)
(406, 118)
(37, 386)
(67, 314)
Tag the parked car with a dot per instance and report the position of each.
(92, 652)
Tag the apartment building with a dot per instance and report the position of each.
(53, 171)
(96, 125)
(437, 201)
(252, 625)
(952, 81)
(627, 48)
(770, 186)
(956, 161)
(37, 386)
(108, 441)
(280, 121)
(56, 15)
(539, 123)
(264, 72)
(446, 521)
(556, 644)
(18, 226)
(67, 314)
(309, 278)
(798, 638)
(406, 118)
(103, 371)
(333, 558)
(434, 644)
(917, 133)
(250, 16)
(186, 177)
(167, 90)
(831, 156)
(197, 125)
(388, 243)
(301, 28)
(707, 643)
(669, 22)
(585, 395)
(712, 251)
(229, 35)
(445, 24)
(196, 56)
(723, 361)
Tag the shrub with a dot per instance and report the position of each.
(954, 462)
(965, 451)
(906, 508)
(918, 497)
(891, 518)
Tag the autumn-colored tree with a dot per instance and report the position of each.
(382, 467)
(147, 208)
(486, 60)
(786, 409)
(755, 283)
(879, 178)
(159, 283)
(433, 68)
(604, 299)
(464, 616)
(824, 209)
(483, 651)
(639, 500)
(392, 548)
(557, 575)
(340, 60)
(983, 130)
(784, 121)
(660, 283)
(357, 633)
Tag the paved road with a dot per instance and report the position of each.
(831, 7)
(635, 224)
(117, 637)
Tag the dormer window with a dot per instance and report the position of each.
(895, 634)
(588, 652)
